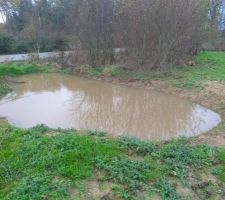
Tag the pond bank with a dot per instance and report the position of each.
(203, 83)
(56, 164)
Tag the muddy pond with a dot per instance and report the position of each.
(70, 102)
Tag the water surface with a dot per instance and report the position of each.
(70, 102)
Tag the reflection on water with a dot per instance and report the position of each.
(70, 102)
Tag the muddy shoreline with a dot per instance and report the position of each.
(211, 97)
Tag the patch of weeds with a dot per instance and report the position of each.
(209, 190)
(4, 88)
(180, 156)
(41, 128)
(189, 84)
(38, 187)
(167, 191)
(221, 126)
(138, 146)
(95, 71)
(97, 133)
(133, 174)
(80, 191)
(158, 169)
(220, 171)
(125, 194)
(111, 71)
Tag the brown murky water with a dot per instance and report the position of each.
(70, 102)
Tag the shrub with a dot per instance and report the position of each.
(6, 44)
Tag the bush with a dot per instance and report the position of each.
(6, 44)
(21, 46)
(60, 44)
(158, 33)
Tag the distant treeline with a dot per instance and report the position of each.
(156, 33)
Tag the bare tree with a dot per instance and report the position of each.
(94, 27)
(159, 32)
(156, 33)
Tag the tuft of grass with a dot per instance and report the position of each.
(4, 88)
(133, 174)
(41, 128)
(179, 156)
(97, 133)
(167, 191)
(138, 146)
(112, 70)
(220, 171)
(95, 71)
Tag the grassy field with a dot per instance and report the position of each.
(41, 163)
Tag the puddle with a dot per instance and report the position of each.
(70, 102)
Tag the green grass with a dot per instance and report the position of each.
(210, 67)
(221, 169)
(21, 69)
(36, 166)
(40, 186)
(168, 191)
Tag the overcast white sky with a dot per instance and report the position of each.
(1, 18)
